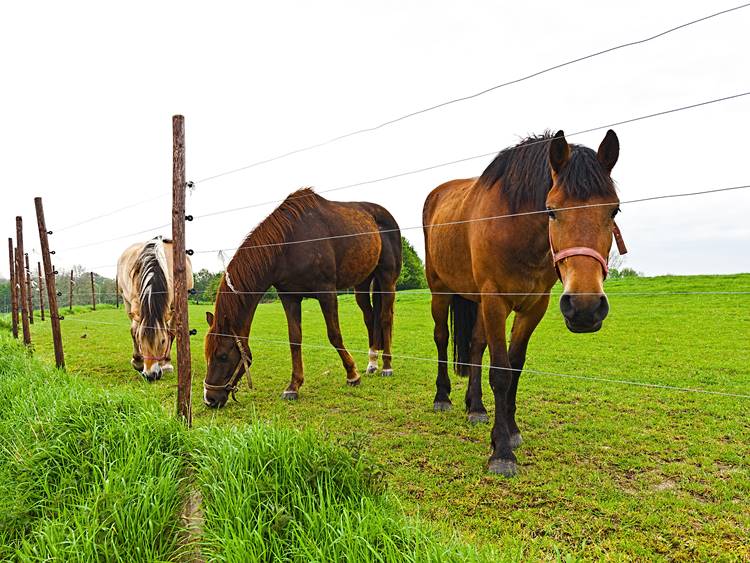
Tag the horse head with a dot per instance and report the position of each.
(228, 358)
(582, 205)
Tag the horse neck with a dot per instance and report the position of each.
(236, 303)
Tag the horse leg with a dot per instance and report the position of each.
(167, 363)
(494, 314)
(524, 325)
(329, 305)
(474, 406)
(387, 301)
(440, 304)
(362, 295)
(137, 360)
(293, 311)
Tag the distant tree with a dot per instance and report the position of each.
(4, 296)
(201, 279)
(412, 269)
(212, 287)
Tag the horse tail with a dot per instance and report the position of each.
(377, 309)
(463, 315)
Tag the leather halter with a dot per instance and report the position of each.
(232, 385)
(586, 251)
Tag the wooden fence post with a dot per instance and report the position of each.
(50, 274)
(180, 319)
(70, 293)
(13, 292)
(29, 291)
(21, 279)
(41, 290)
(93, 292)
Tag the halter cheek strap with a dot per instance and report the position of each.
(586, 251)
(232, 385)
(166, 354)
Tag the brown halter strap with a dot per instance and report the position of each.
(232, 385)
(586, 251)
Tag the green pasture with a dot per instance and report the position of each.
(607, 469)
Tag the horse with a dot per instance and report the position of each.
(144, 278)
(307, 247)
(542, 210)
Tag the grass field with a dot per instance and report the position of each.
(606, 469)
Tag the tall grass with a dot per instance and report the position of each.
(85, 475)
(283, 495)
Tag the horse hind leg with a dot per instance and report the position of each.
(329, 307)
(440, 304)
(137, 360)
(385, 313)
(362, 295)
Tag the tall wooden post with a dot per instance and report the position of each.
(29, 291)
(13, 292)
(49, 273)
(93, 293)
(21, 279)
(41, 290)
(184, 377)
(70, 293)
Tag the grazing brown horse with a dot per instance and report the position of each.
(308, 247)
(482, 266)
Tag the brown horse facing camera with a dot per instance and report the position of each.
(482, 266)
(308, 247)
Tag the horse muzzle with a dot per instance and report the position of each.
(584, 313)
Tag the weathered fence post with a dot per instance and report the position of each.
(50, 273)
(70, 293)
(41, 290)
(184, 377)
(13, 293)
(29, 291)
(21, 279)
(93, 292)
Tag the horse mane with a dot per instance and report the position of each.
(525, 177)
(258, 253)
(150, 273)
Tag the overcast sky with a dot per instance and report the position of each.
(89, 88)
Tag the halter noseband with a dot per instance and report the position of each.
(586, 251)
(232, 385)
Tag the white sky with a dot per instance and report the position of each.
(89, 88)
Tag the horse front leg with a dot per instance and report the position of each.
(494, 314)
(329, 305)
(362, 295)
(387, 302)
(293, 310)
(440, 305)
(137, 360)
(524, 325)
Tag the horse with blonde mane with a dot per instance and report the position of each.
(144, 278)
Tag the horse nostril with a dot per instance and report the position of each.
(566, 305)
(603, 309)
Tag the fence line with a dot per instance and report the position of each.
(474, 95)
(598, 378)
(477, 219)
(484, 155)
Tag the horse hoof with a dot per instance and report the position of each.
(386, 373)
(167, 367)
(442, 406)
(515, 441)
(371, 370)
(354, 382)
(289, 396)
(504, 467)
(478, 418)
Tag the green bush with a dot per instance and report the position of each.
(412, 269)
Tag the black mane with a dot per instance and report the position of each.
(153, 288)
(525, 178)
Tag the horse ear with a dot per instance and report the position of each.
(609, 151)
(209, 318)
(559, 152)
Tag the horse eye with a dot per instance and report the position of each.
(615, 212)
(223, 358)
(551, 213)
